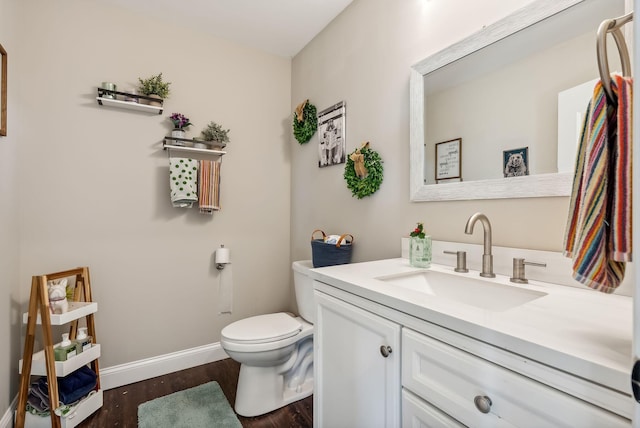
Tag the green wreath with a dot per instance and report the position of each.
(370, 183)
(303, 130)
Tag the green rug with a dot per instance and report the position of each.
(203, 406)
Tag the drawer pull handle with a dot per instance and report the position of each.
(385, 351)
(483, 403)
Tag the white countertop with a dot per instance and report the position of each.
(579, 331)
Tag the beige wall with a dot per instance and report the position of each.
(93, 180)
(9, 238)
(364, 58)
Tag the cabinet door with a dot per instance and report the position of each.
(355, 384)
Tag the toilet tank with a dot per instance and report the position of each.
(304, 290)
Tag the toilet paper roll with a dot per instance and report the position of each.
(225, 290)
(223, 256)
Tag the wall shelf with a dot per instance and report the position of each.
(109, 98)
(186, 145)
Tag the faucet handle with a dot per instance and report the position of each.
(518, 270)
(461, 260)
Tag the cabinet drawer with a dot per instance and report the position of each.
(417, 413)
(451, 379)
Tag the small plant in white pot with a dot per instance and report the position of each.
(215, 134)
(180, 123)
(154, 87)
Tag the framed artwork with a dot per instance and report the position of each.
(331, 135)
(449, 159)
(515, 162)
(3, 91)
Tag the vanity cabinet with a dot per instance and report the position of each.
(356, 367)
(447, 379)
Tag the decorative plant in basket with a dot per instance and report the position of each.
(154, 87)
(215, 133)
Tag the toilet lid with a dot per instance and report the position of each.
(262, 328)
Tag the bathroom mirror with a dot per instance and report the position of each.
(498, 92)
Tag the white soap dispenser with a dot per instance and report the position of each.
(83, 342)
(65, 349)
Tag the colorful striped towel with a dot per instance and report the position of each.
(182, 182)
(598, 233)
(209, 186)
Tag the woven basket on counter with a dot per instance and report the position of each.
(324, 254)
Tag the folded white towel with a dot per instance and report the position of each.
(183, 174)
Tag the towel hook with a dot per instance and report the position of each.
(612, 26)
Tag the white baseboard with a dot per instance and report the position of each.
(124, 374)
(7, 419)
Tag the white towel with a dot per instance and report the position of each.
(332, 239)
(183, 174)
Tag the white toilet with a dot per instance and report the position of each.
(275, 352)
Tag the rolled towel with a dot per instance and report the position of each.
(183, 174)
(333, 239)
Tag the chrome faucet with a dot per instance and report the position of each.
(487, 258)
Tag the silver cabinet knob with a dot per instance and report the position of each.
(483, 403)
(386, 351)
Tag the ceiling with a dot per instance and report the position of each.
(281, 27)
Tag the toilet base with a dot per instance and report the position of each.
(262, 390)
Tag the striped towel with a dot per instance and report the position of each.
(598, 232)
(209, 186)
(183, 173)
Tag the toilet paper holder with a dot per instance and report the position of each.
(222, 257)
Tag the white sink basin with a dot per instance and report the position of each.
(474, 291)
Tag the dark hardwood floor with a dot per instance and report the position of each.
(120, 408)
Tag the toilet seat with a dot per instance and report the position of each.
(263, 332)
(262, 328)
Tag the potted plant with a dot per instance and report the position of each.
(180, 122)
(214, 133)
(154, 87)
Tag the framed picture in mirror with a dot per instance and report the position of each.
(448, 159)
(515, 162)
(3, 91)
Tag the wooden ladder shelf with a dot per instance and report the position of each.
(39, 313)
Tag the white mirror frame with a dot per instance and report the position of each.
(541, 185)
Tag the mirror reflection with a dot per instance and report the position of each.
(515, 103)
